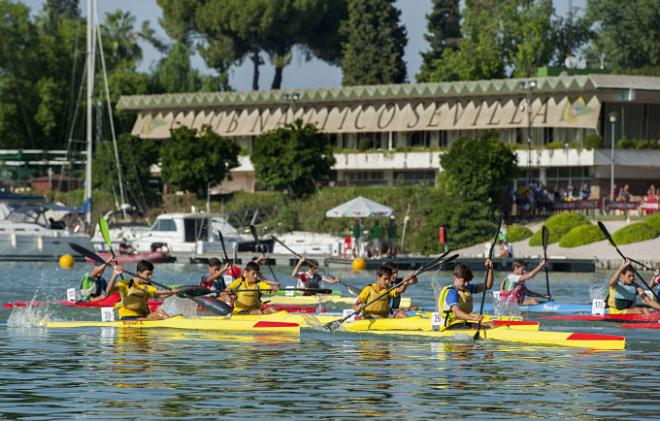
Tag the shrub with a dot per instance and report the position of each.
(555, 144)
(593, 141)
(634, 233)
(364, 145)
(517, 233)
(558, 226)
(625, 143)
(581, 235)
(654, 221)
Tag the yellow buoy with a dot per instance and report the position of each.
(66, 261)
(359, 264)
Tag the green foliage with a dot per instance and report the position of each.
(654, 221)
(443, 32)
(294, 158)
(582, 235)
(191, 161)
(634, 233)
(593, 141)
(174, 73)
(625, 33)
(627, 143)
(558, 225)
(364, 144)
(517, 233)
(555, 144)
(478, 169)
(374, 43)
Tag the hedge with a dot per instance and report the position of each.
(518, 233)
(654, 221)
(582, 235)
(558, 225)
(634, 233)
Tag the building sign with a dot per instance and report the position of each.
(386, 117)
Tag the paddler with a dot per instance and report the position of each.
(310, 278)
(381, 308)
(93, 286)
(514, 286)
(622, 297)
(135, 294)
(247, 291)
(455, 301)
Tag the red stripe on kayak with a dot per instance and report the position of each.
(264, 323)
(640, 325)
(514, 323)
(593, 337)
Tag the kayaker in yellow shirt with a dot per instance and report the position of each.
(135, 294)
(455, 301)
(381, 308)
(247, 291)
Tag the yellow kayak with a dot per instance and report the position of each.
(312, 300)
(180, 322)
(508, 334)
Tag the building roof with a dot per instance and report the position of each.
(496, 87)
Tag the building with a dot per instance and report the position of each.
(389, 134)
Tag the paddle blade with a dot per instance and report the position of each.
(544, 236)
(349, 289)
(105, 233)
(253, 230)
(214, 305)
(603, 228)
(222, 243)
(193, 290)
(86, 253)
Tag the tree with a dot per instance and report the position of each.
(174, 73)
(63, 8)
(569, 36)
(626, 34)
(478, 169)
(294, 158)
(444, 32)
(374, 43)
(192, 161)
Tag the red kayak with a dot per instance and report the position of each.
(157, 256)
(640, 325)
(635, 318)
(109, 301)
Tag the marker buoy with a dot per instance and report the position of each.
(66, 261)
(359, 264)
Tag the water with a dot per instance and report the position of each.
(108, 374)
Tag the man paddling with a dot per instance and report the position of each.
(311, 278)
(514, 286)
(247, 291)
(622, 297)
(455, 301)
(93, 285)
(135, 294)
(381, 308)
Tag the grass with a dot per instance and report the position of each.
(582, 235)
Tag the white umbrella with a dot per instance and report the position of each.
(359, 207)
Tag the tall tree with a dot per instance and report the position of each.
(627, 34)
(63, 8)
(295, 158)
(174, 73)
(443, 32)
(374, 43)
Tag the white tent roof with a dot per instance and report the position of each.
(359, 207)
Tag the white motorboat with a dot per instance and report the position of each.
(309, 244)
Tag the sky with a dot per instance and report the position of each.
(299, 74)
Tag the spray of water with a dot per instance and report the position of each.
(176, 305)
(29, 316)
(597, 292)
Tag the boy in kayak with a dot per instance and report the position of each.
(513, 286)
(455, 301)
(247, 291)
(622, 297)
(93, 285)
(311, 278)
(381, 308)
(135, 294)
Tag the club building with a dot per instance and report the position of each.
(395, 134)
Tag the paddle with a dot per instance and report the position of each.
(224, 251)
(314, 290)
(611, 240)
(332, 326)
(253, 230)
(105, 233)
(300, 256)
(490, 256)
(544, 235)
(212, 304)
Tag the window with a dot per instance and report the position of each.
(164, 225)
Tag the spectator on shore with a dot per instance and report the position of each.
(356, 231)
(614, 193)
(624, 194)
(376, 238)
(504, 250)
(585, 191)
(391, 236)
(503, 231)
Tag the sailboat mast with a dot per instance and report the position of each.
(90, 94)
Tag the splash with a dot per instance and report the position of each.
(29, 316)
(597, 292)
(506, 307)
(176, 305)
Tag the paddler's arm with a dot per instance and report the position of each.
(296, 269)
(465, 316)
(533, 272)
(409, 280)
(330, 280)
(615, 277)
(111, 285)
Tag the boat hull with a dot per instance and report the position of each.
(640, 325)
(551, 307)
(310, 300)
(617, 318)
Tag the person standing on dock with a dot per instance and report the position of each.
(311, 278)
(513, 286)
(247, 291)
(455, 301)
(392, 228)
(356, 231)
(622, 297)
(381, 308)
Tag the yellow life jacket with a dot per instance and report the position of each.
(247, 300)
(464, 304)
(379, 308)
(134, 301)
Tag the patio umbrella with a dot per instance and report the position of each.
(359, 207)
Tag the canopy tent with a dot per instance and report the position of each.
(359, 207)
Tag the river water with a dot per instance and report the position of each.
(166, 374)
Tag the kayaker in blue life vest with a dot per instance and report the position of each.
(93, 285)
(622, 297)
(455, 301)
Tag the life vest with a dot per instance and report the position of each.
(136, 298)
(464, 304)
(621, 297)
(512, 290)
(305, 280)
(247, 300)
(379, 308)
(91, 287)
